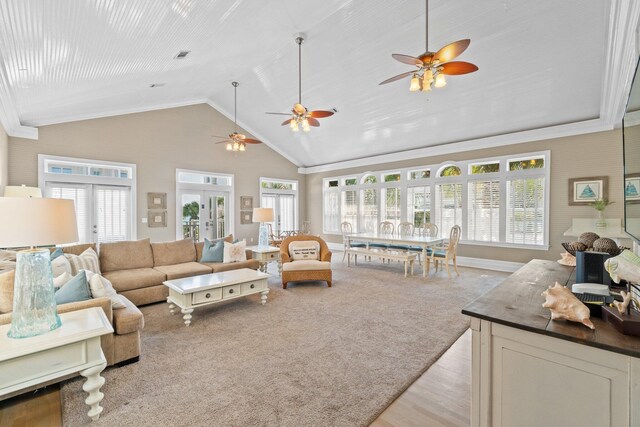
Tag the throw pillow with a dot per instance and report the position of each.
(87, 260)
(304, 249)
(60, 265)
(55, 254)
(101, 287)
(76, 289)
(61, 280)
(213, 251)
(6, 291)
(235, 252)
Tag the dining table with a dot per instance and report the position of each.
(395, 239)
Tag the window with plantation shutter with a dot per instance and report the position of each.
(331, 214)
(349, 208)
(448, 207)
(391, 205)
(526, 211)
(419, 205)
(483, 216)
(369, 203)
(112, 213)
(79, 193)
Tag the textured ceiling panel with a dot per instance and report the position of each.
(541, 64)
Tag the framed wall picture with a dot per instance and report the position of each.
(246, 203)
(584, 191)
(246, 217)
(157, 218)
(156, 200)
(632, 188)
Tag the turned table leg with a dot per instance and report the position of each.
(263, 298)
(187, 315)
(92, 386)
(172, 306)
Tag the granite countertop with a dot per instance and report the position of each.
(517, 302)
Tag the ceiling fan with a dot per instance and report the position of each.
(236, 141)
(433, 66)
(300, 116)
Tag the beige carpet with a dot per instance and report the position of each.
(312, 356)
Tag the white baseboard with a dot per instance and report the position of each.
(463, 261)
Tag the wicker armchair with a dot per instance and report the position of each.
(306, 271)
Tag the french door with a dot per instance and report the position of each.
(284, 211)
(103, 212)
(204, 214)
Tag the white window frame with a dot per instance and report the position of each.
(44, 177)
(464, 178)
(190, 186)
(295, 192)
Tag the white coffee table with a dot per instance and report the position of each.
(71, 348)
(265, 255)
(197, 291)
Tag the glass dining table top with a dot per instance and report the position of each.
(376, 236)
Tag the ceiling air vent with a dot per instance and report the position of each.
(156, 85)
(182, 54)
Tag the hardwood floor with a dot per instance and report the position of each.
(440, 397)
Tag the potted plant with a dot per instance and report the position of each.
(600, 205)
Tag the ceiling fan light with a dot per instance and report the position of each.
(229, 146)
(415, 84)
(292, 124)
(440, 81)
(235, 146)
(426, 86)
(428, 77)
(294, 127)
(242, 147)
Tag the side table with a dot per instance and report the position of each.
(72, 348)
(265, 255)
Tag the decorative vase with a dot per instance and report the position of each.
(34, 304)
(601, 222)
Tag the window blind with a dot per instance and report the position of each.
(484, 211)
(419, 205)
(112, 213)
(391, 205)
(369, 202)
(331, 214)
(448, 207)
(349, 208)
(79, 193)
(525, 211)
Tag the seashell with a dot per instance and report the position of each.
(567, 259)
(564, 305)
(588, 238)
(625, 266)
(604, 244)
(622, 306)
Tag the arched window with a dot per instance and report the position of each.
(369, 179)
(450, 170)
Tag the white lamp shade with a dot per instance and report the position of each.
(262, 214)
(21, 191)
(36, 222)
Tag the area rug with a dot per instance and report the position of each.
(312, 356)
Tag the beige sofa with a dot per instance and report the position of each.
(137, 268)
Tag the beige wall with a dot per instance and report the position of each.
(158, 142)
(594, 154)
(4, 158)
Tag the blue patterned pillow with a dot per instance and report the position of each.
(55, 254)
(76, 289)
(212, 251)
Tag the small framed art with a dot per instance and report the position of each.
(584, 191)
(246, 217)
(156, 200)
(632, 188)
(157, 218)
(246, 203)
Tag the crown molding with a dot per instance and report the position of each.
(578, 128)
(252, 131)
(8, 113)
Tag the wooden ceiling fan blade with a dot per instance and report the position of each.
(286, 122)
(406, 59)
(223, 137)
(280, 114)
(451, 51)
(319, 114)
(224, 142)
(251, 141)
(458, 67)
(398, 77)
(313, 122)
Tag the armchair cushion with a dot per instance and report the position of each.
(304, 250)
(306, 265)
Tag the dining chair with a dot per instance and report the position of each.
(347, 228)
(447, 252)
(273, 239)
(386, 227)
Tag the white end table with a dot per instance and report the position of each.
(265, 255)
(73, 347)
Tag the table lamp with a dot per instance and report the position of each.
(263, 215)
(33, 222)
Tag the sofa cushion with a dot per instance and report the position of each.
(200, 245)
(6, 291)
(170, 253)
(221, 266)
(212, 251)
(60, 266)
(128, 319)
(186, 269)
(135, 278)
(87, 260)
(305, 265)
(78, 249)
(125, 255)
(235, 252)
(76, 289)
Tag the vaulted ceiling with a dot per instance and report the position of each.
(542, 64)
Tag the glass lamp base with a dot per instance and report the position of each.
(34, 304)
(263, 237)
